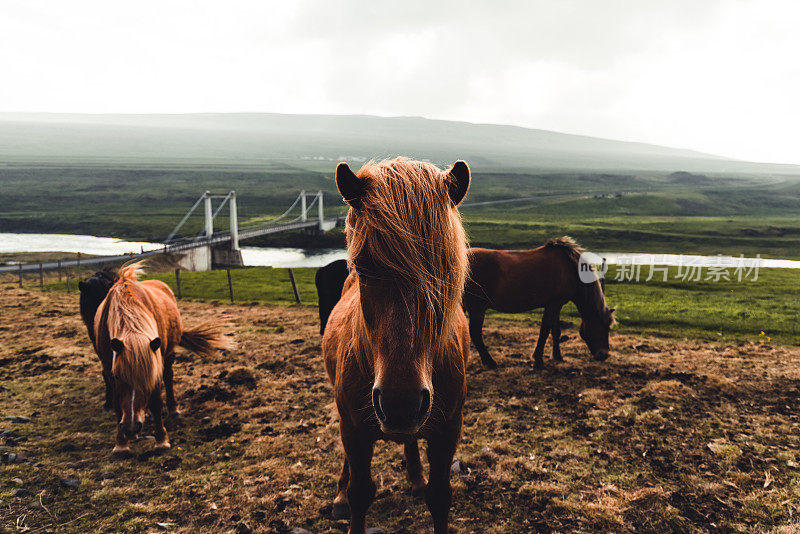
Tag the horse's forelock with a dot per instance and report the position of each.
(406, 225)
(132, 323)
(138, 366)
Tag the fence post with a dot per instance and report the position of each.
(66, 277)
(230, 285)
(294, 285)
(603, 279)
(41, 277)
(59, 271)
(178, 282)
(20, 275)
(79, 261)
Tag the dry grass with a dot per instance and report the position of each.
(666, 436)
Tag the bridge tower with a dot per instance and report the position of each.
(230, 198)
(203, 258)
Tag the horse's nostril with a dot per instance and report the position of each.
(424, 404)
(376, 403)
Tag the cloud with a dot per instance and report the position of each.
(714, 76)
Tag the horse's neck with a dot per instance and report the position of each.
(586, 300)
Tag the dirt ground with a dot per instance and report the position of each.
(666, 436)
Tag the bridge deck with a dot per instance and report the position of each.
(216, 239)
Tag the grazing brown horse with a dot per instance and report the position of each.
(396, 344)
(137, 328)
(520, 281)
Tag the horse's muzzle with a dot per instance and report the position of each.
(601, 356)
(132, 430)
(401, 413)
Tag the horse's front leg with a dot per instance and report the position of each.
(172, 406)
(108, 379)
(414, 468)
(341, 507)
(538, 352)
(439, 493)
(155, 404)
(476, 317)
(121, 447)
(361, 488)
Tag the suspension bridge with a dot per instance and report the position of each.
(208, 248)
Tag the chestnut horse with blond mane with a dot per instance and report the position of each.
(137, 329)
(517, 281)
(396, 343)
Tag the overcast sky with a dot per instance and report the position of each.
(717, 76)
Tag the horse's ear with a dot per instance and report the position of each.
(458, 181)
(116, 345)
(350, 187)
(81, 285)
(155, 344)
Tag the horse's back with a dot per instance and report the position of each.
(159, 288)
(330, 282)
(164, 308)
(93, 292)
(519, 280)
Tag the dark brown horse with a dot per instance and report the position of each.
(330, 282)
(93, 292)
(520, 281)
(137, 329)
(396, 344)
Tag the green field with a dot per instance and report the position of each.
(645, 211)
(724, 310)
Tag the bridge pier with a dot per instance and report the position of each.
(210, 257)
(226, 256)
(196, 259)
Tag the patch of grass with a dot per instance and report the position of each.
(704, 309)
(724, 310)
(667, 435)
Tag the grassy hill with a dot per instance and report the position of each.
(254, 138)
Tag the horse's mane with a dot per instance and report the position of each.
(408, 228)
(133, 324)
(591, 294)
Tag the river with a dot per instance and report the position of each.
(298, 257)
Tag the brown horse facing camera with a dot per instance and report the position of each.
(523, 280)
(396, 343)
(137, 328)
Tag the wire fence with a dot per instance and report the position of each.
(238, 284)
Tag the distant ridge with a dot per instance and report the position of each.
(256, 138)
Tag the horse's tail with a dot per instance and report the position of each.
(206, 339)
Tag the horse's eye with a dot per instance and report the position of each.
(364, 267)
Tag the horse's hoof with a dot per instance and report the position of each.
(121, 454)
(375, 530)
(107, 407)
(419, 492)
(176, 415)
(538, 365)
(341, 510)
(489, 362)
